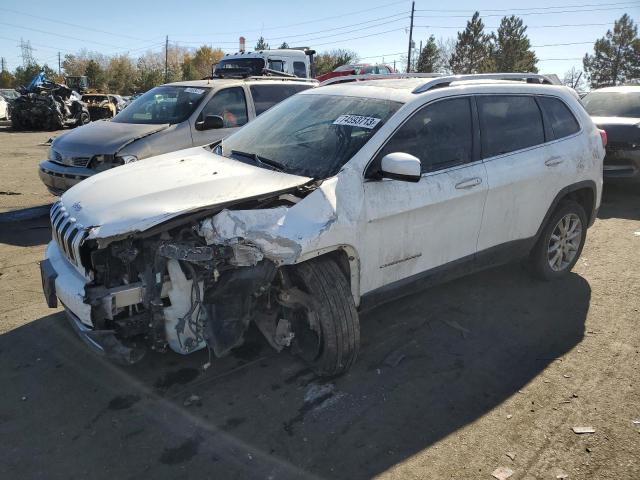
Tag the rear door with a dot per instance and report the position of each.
(228, 103)
(266, 96)
(414, 227)
(521, 186)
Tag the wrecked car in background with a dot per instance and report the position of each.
(46, 105)
(167, 118)
(101, 105)
(337, 198)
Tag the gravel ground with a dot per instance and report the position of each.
(488, 371)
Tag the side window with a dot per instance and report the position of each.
(276, 65)
(266, 96)
(300, 69)
(509, 123)
(563, 123)
(230, 104)
(440, 135)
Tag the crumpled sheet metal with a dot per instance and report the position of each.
(283, 234)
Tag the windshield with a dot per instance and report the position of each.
(613, 104)
(311, 135)
(254, 65)
(166, 104)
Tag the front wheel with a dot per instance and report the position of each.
(561, 242)
(323, 316)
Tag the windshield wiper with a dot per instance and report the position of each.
(258, 159)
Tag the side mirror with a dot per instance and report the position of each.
(210, 122)
(401, 166)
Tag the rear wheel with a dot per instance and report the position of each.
(322, 315)
(561, 242)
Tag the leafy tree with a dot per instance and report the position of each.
(262, 44)
(328, 61)
(472, 51)
(95, 75)
(429, 57)
(121, 74)
(199, 66)
(150, 68)
(510, 48)
(616, 56)
(7, 80)
(284, 45)
(24, 75)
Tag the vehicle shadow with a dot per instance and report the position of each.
(429, 365)
(620, 201)
(26, 233)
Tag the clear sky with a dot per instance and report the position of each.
(377, 30)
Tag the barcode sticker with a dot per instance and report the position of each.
(357, 121)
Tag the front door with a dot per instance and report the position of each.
(415, 227)
(231, 105)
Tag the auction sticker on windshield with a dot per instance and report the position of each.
(357, 121)
(197, 91)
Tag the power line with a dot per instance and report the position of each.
(59, 35)
(525, 14)
(71, 24)
(530, 8)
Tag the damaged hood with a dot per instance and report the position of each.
(102, 138)
(138, 196)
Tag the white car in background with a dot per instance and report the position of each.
(4, 109)
(338, 198)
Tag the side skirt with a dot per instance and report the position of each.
(491, 257)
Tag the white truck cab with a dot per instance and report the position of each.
(295, 62)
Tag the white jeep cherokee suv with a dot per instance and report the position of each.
(331, 201)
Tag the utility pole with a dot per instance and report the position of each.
(2, 64)
(166, 60)
(59, 69)
(415, 63)
(413, 6)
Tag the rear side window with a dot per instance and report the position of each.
(266, 96)
(563, 123)
(300, 69)
(440, 135)
(509, 123)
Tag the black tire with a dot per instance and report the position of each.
(84, 119)
(539, 257)
(338, 338)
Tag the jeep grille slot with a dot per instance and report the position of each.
(68, 234)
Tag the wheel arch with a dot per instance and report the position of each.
(347, 258)
(582, 192)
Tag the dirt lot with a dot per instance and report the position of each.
(450, 382)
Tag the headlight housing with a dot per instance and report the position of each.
(124, 159)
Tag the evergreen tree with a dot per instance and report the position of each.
(284, 45)
(95, 74)
(262, 44)
(511, 47)
(616, 56)
(472, 50)
(429, 57)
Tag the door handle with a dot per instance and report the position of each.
(469, 183)
(553, 161)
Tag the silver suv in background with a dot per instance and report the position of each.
(167, 118)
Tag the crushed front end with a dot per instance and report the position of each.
(165, 288)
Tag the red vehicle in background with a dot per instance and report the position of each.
(356, 69)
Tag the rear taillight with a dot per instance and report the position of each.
(603, 137)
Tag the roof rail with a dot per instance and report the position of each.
(377, 76)
(445, 81)
(284, 79)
